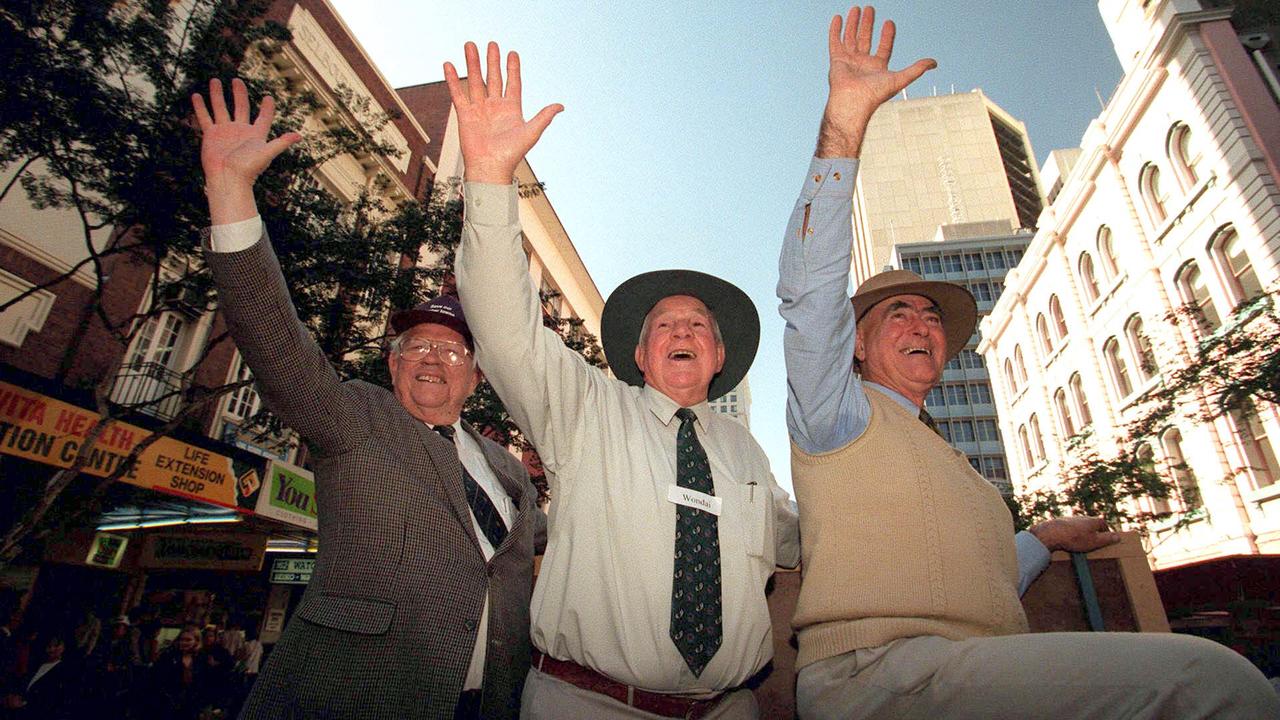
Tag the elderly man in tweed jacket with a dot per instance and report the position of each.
(419, 604)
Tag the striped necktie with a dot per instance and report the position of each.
(696, 627)
(927, 419)
(482, 507)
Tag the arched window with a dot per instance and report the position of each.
(1153, 193)
(1064, 413)
(1184, 155)
(1087, 279)
(1019, 364)
(1228, 250)
(1027, 458)
(1009, 377)
(1258, 447)
(1142, 351)
(1046, 340)
(1119, 371)
(1184, 479)
(1036, 438)
(1195, 292)
(1147, 458)
(1107, 253)
(1082, 401)
(1059, 322)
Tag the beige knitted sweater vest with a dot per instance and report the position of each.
(900, 538)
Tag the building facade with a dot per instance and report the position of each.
(977, 256)
(1172, 203)
(736, 403)
(941, 160)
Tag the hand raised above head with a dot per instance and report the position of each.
(859, 80)
(491, 127)
(234, 151)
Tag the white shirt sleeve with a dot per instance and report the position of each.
(235, 236)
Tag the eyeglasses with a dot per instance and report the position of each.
(450, 353)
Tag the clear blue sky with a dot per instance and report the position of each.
(688, 126)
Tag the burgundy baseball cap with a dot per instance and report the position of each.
(444, 310)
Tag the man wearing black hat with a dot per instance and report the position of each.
(664, 516)
(910, 601)
(419, 604)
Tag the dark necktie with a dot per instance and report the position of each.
(695, 588)
(927, 419)
(482, 507)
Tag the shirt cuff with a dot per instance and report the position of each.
(487, 204)
(236, 236)
(830, 177)
(1033, 558)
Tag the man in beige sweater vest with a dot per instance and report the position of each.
(912, 574)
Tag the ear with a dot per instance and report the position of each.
(719, 357)
(859, 345)
(640, 361)
(393, 364)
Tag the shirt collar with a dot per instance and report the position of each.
(895, 396)
(664, 408)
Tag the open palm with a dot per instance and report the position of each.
(233, 150)
(859, 80)
(492, 131)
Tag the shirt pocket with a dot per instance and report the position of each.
(753, 501)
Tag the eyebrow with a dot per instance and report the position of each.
(900, 304)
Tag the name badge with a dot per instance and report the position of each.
(694, 499)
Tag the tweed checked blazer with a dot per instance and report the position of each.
(387, 625)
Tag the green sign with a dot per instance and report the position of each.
(287, 571)
(289, 495)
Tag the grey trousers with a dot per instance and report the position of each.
(1044, 675)
(547, 698)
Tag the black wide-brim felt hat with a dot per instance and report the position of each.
(735, 314)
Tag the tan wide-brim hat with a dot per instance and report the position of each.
(959, 309)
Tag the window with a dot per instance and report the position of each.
(1184, 480)
(157, 341)
(935, 398)
(912, 264)
(1087, 280)
(1009, 378)
(944, 429)
(1067, 422)
(1119, 371)
(1153, 193)
(243, 403)
(1021, 366)
(1231, 255)
(997, 288)
(995, 260)
(973, 261)
(956, 394)
(1036, 438)
(1042, 330)
(1142, 351)
(970, 359)
(1055, 312)
(1081, 400)
(1015, 257)
(981, 291)
(1194, 292)
(952, 263)
(953, 363)
(980, 394)
(988, 431)
(993, 468)
(962, 430)
(1027, 458)
(973, 463)
(1184, 156)
(932, 264)
(1258, 449)
(1147, 458)
(1107, 253)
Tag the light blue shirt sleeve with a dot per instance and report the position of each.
(826, 407)
(1033, 558)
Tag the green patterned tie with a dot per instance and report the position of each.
(695, 588)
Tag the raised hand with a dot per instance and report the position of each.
(859, 80)
(234, 151)
(491, 127)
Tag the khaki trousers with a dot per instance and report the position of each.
(550, 698)
(1045, 675)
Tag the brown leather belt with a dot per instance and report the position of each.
(656, 703)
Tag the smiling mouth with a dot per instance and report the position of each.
(918, 351)
(682, 355)
(432, 379)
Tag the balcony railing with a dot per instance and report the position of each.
(149, 388)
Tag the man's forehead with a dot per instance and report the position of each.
(916, 302)
(676, 303)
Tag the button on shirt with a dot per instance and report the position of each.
(827, 410)
(603, 597)
(237, 236)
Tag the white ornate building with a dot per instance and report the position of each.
(1173, 201)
